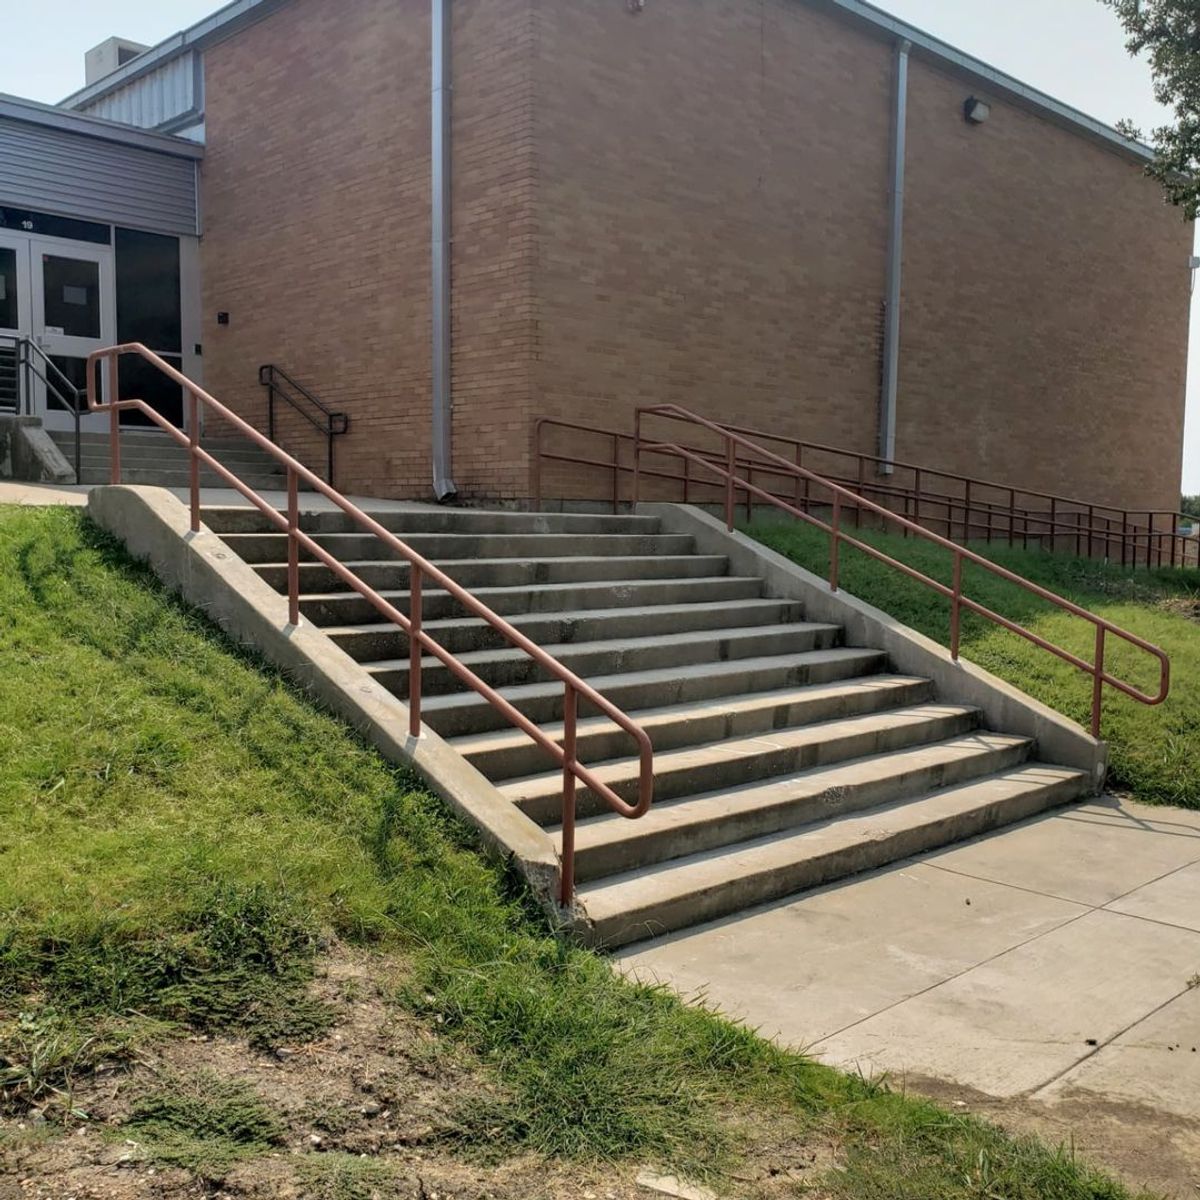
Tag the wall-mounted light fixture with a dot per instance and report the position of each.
(976, 111)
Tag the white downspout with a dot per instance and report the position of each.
(442, 427)
(891, 336)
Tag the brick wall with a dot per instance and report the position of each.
(712, 213)
(316, 196)
(686, 205)
(1045, 306)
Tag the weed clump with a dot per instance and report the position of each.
(203, 1123)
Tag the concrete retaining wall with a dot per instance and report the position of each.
(28, 453)
(155, 528)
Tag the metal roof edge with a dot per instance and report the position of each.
(32, 112)
(222, 24)
(983, 73)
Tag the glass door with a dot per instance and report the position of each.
(72, 307)
(14, 314)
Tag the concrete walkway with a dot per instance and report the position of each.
(47, 494)
(1048, 961)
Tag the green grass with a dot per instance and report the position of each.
(180, 829)
(202, 1123)
(1153, 749)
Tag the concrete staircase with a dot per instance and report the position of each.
(150, 457)
(784, 758)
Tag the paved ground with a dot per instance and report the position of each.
(1052, 961)
(70, 494)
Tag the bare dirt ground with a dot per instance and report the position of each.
(378, 1091)
(1141, 1145)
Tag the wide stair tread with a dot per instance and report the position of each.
(512, 666)
(734, 762)
(468, 712)
(530, 599)
(501, 753)
(570, 627)
(607, 844)
(714, 883)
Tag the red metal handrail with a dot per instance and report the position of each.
(841, 495)
(1113, 532)
(420, 569)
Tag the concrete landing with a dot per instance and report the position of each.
(1050, 961)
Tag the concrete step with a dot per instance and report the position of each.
(506, 572)
(714, 883)
(512, 667)
(158, 477)
(368, 643)
(349, 608)
(467, 712)
(345, 547)
(509, 753)
(427, 518)
(167, 454)
(610, 845)
(725, 766)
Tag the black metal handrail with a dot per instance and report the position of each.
(32, 362)
(278, 382)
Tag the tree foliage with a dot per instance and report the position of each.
(1191, 506)
(1168, 33)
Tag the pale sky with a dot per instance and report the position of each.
(1072, 49)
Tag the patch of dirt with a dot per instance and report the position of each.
(1145, 1147)
(366, 1112)
(1187, 607)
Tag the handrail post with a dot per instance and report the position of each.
(637, 458)
(79, 402)
(616, 489)
(956, 608)
(329, 449)
(749, 494)
(416, 605)
(967, 514)
(687, 480)
(536, 481)
(835, 543)
(570, 714)
(1098, 682)
(293, 494)
(729, 470)
(114, 421)
(194, 460)
(271, 403)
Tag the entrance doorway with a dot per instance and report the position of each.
(60, 295)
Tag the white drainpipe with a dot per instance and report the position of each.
(891, 336)
(442, 429)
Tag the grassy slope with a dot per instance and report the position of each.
(179, 829)
(1153, 749)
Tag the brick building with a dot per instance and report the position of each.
(698, 201)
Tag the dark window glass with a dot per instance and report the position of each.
(10, 316)
(72, 290)
(148, 303)
(140, 380)
(28, 221)
(58, 387)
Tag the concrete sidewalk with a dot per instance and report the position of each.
(1048, 961)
